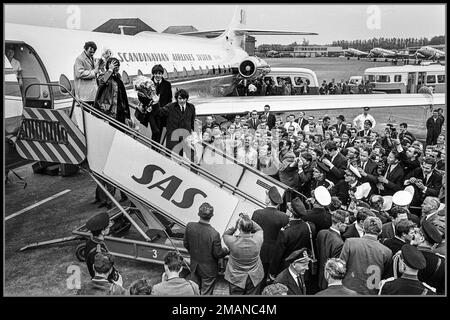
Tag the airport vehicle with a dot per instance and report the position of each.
(406, 79)
(204, 67)
(355, 80)
(351, 52)
(430, 53)
(297, 77)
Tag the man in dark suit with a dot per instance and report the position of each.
(434, 127)
(302, 122)
(410, 159)
(335, 161)
(164, 91)
(392, 179)
(271, 221)
(205, 249)
(388, 229)
(329, 243)
(356, 229)
(345, 141)
(335, 270)
(341, 189)
(404, 232)
(269, 116)
(367, 168)
(292, 237)
(340, 126)
(425, 180)
(179, 115)
(367, 129)
(293, 277)
(254, 121)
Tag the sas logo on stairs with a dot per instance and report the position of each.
(169, 186)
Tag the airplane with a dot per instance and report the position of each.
(204, 67)
(272, 54)
(385, 53)
(429, 53)
(351, 52)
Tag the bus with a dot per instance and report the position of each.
(298, 77)
(406, 79)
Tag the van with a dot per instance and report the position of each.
(298, 77)
(406, 79)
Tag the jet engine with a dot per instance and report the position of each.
(253, 67)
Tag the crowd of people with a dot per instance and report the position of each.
(284, 86)
(363, 211)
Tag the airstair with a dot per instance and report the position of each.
(165, 189)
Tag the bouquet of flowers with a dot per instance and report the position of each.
(146, 88)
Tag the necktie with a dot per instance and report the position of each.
(182, 109)
(387, 171)
(301, 284)
(364, 166)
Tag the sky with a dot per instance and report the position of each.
(331, 22)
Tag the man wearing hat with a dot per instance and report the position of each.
(271, 220)
(411, 262)
(294, 236)
(329, 243)
(335, 161)
(358, 122)
(205, 249)
(363, 256)
(99, 285)
(318, 214)
(99, 226)
(335, 270)
(340, 126)
(434, 272)
(293, 276)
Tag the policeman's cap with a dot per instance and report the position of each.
(341, 117)
(301, 255)
(413, 257)
(298, 207)
(98, 222)
(402, 198)
(322, 195)
(430, 232)
(274, 195)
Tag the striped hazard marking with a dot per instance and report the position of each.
(50, 135)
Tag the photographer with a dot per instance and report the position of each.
(244, 271)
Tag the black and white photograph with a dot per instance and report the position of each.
(186, 150)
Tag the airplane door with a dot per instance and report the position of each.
(411, 86)
(33, 71)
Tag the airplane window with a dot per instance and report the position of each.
(213, 70)
(441, 78)
(220, 71)
(398, 78)
(431, 79)
(383, 78)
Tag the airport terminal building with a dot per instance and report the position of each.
(303, 51)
